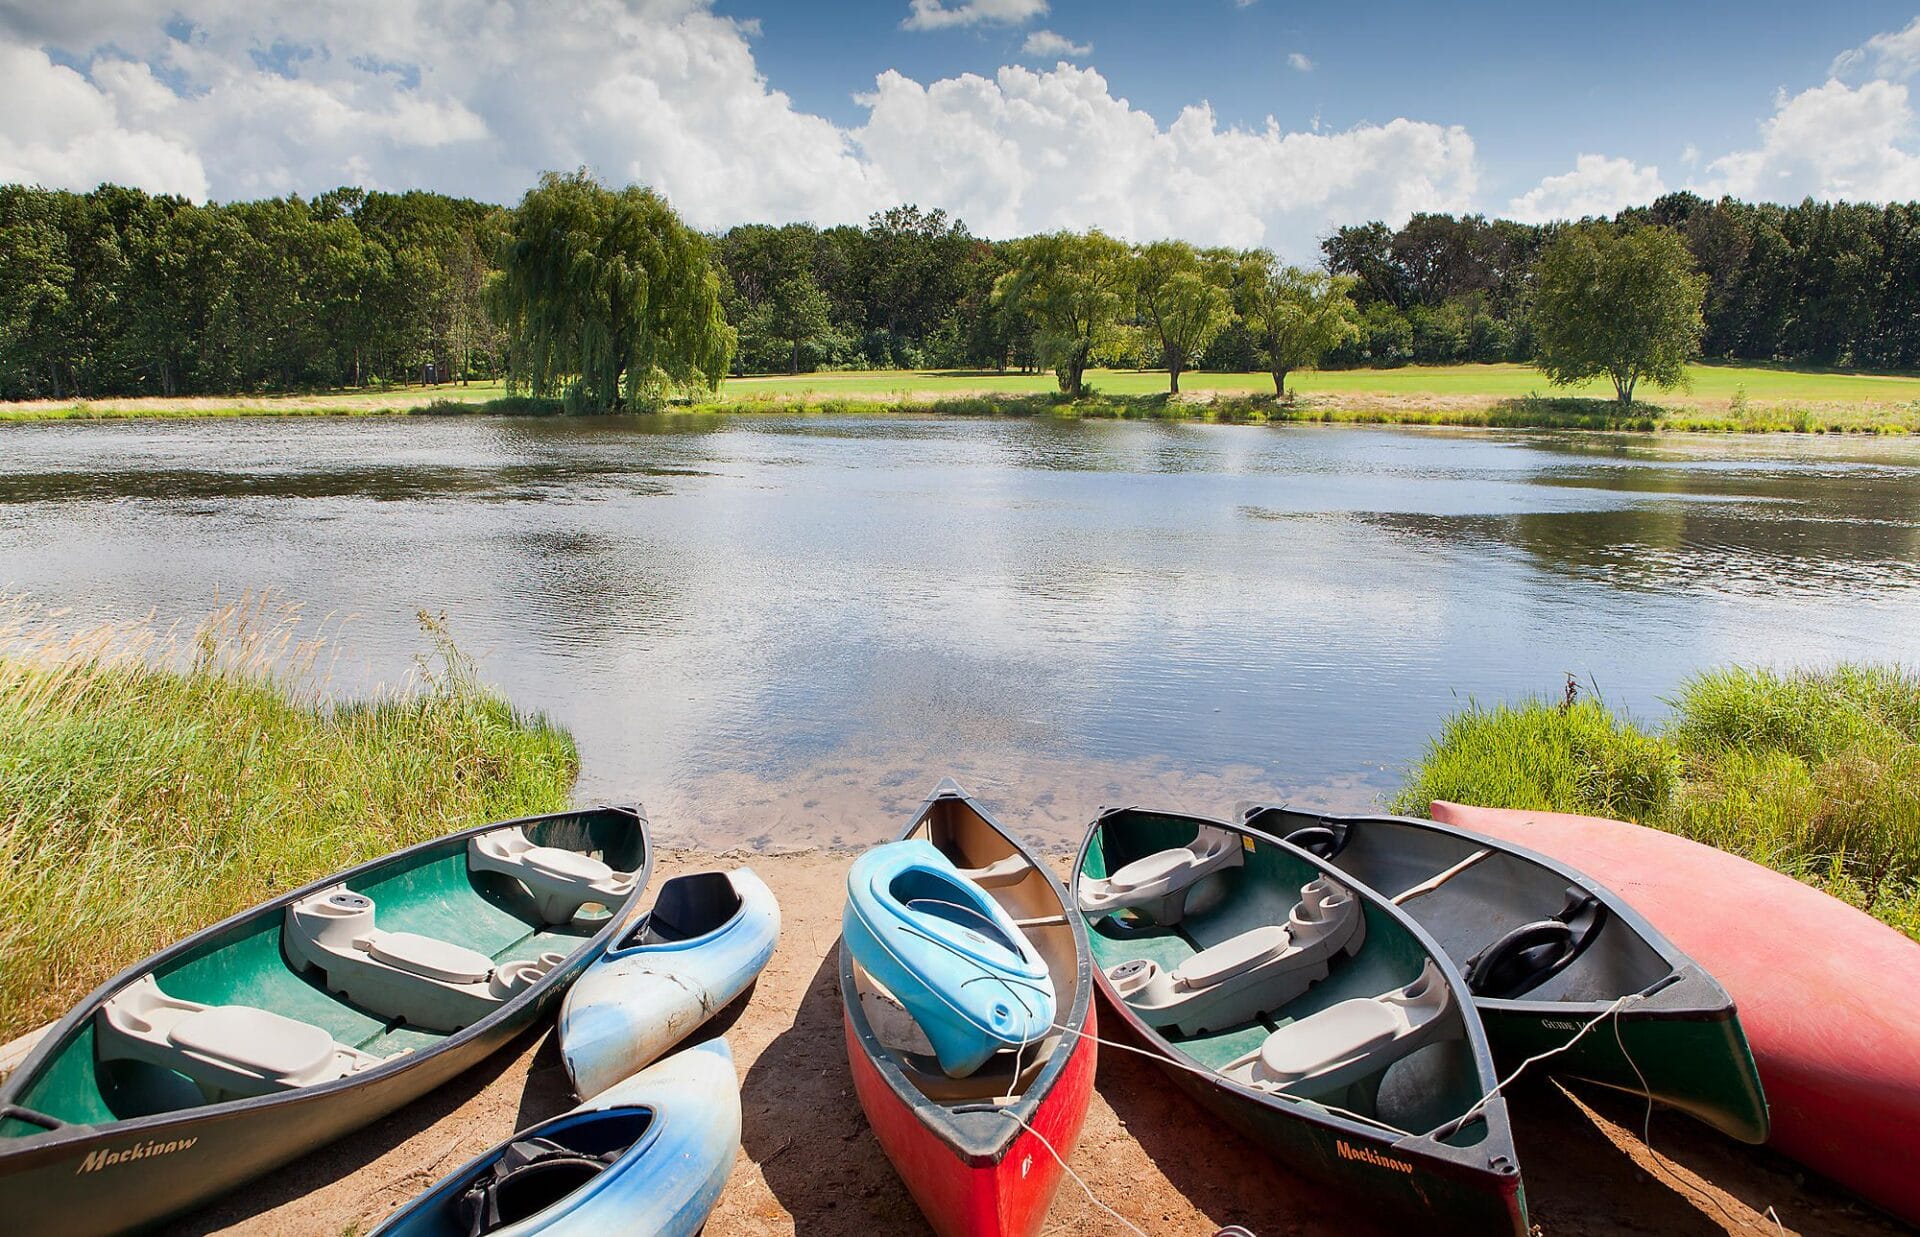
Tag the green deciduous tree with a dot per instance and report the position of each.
(1295, 316)
(1622, 304)
(1072, 288)
(1183, 300)
(607, 297)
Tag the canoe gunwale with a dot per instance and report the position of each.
(28, 1150)
(935, 1116)
(1497, 1148)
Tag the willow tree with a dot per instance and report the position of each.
(1295, 316)
(1183, 300)
(607, 298)
(1071, 287)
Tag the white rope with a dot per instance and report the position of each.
(1612, 1011)
(1068, 1168)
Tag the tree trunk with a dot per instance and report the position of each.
(794, 366)
(1280, 383)
(1173, 376)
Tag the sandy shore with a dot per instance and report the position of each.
(809, 1164)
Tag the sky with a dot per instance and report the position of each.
(1237, 122)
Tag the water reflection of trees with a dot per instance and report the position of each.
(1744, 548)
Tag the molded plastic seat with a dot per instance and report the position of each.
(561, 881)
(435, 959)
(1257, 972)
(229, 1051)
(437, 984)
(1345, 1049)
(1157, 887)
(1008, 871)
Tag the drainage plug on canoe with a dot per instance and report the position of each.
(1254, 973)
(1158, 887)
(948, 953)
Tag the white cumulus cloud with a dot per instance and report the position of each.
(60, 130)
(1832, 141)
(936, 15)
(1025, 151)
(1597, 185)
(1046, 43)
(1300, 61)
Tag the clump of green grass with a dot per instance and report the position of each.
(150, 785)
(1814, 773)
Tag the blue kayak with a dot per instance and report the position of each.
(649, 1155)
(948, 953)
(705, 941)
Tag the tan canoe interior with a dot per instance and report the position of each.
(966, 838)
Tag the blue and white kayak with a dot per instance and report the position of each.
(706, 939)
(648, 1156)
(947, 952)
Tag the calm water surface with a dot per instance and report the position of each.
(781, 631)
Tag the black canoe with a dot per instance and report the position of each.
(1546, 950)
(1304, 1009)
(291, 1024)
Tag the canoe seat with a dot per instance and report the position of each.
(436, 984)
(561, 881)
(229, 1051)
(1001, 872)
(1339, 1054)
(1254, 973)
(1157, 887)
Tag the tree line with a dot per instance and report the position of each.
(605, 298)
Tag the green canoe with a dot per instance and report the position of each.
(1546, 951)
(1304, 1009)
(302, 1019)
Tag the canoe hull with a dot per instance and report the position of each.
(665, 1186)
(1392, 1177)
(66, 1189)
(1813, 978)
(1001, 1196)
(113, 1176)
(1680, 1040)
(1431, 1185)
(633, 1005)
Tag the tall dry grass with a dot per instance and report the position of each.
(155, 779)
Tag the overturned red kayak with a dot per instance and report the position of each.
(1823, 989)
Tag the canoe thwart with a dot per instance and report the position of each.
(1254, 973)
(560, 881)
(228, 1051)
(424, 981)
(1432, 883)
(1158, 887)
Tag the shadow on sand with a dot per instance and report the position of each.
(801, 1122)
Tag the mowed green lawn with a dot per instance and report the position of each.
(1710, 382)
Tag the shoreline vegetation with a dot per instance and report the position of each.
(1812, 773)
(154, 781)
(1724, 399)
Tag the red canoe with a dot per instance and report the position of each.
(976, 1164)
(1825, 992)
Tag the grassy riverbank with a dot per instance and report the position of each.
(1814, 774)
(150, 786)
(1721, 399)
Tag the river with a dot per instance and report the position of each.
(779, 631)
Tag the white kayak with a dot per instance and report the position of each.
(647, 1156)
(704, 942)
